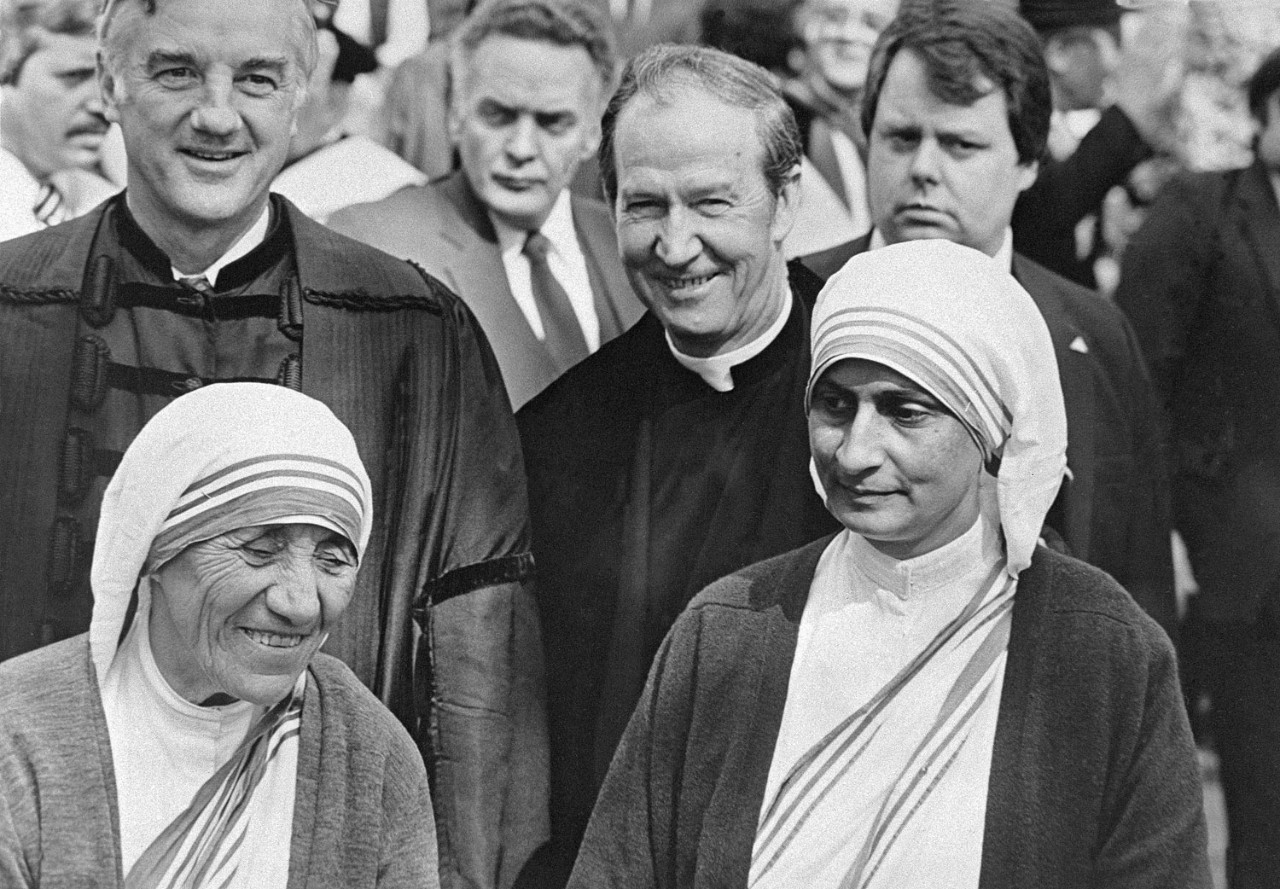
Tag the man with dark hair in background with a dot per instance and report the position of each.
(1201, 283)
(957, 116)
(197, 275)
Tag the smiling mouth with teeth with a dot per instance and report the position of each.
(213, 155)
(273, 640)
(683, 283)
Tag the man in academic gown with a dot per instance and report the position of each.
(679, 452)
(953, 168)
(197, 275)
(529, 80)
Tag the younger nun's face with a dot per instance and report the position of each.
(898, 467)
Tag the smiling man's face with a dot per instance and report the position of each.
(937, 169)
(206, 95)
(524, 115)
(699, 229)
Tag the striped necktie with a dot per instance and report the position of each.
(564, 338)
(49, 208)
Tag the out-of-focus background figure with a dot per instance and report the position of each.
(323, 153)
(537, 264)
(1201, 282)
(51, 120)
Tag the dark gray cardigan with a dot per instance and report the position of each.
(1094, 780)
(362, 813)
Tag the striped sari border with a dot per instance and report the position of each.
(932, 344)
(820, 766)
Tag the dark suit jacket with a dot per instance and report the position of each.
(1045, 217)
(1201, 283)
(1114, 511)
(444, 228)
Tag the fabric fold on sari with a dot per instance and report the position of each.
(210, 844)
(861, 796)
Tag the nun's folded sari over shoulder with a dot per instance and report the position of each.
(193, 737)
(930, 698)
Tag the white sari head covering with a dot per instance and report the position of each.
(953, 321)
(223, 457)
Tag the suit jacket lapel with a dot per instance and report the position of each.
(479, 277)
(1262, 231)
(1075, 371)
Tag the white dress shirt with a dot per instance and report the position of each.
(18, 191)
(1004, 256)
(566, 261)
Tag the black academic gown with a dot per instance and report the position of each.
(441, 626)
(645, 486)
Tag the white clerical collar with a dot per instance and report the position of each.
(907, 579)
(1003, 257)
(256, 234)
(717, 370)
(558, 229)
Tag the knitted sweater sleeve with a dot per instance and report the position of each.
(1153, 832)
(409, 858)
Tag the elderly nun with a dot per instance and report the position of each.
(930, 697)
(195, 737)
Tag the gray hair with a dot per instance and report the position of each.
(662, 71)
(110, 52)
(25, 23)
(559, 22)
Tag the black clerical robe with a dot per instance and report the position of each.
(646, 485)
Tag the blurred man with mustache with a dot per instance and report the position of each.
(52, 120)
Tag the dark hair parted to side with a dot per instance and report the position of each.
(560, 22)
(662, 72)
(25, 23)
(970, 48)
(1263, 85)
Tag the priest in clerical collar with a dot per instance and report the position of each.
(677, 453)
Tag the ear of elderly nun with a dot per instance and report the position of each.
(239, 515)
(934, 375)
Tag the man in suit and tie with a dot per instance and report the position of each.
(956, 113)
(538, 266)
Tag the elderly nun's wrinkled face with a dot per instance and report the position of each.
(242, 614)
(897, 466)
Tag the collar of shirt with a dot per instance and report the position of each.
(256, 234)
(20, 190)
(717, 370)
(566, 261)
(1004, 256)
